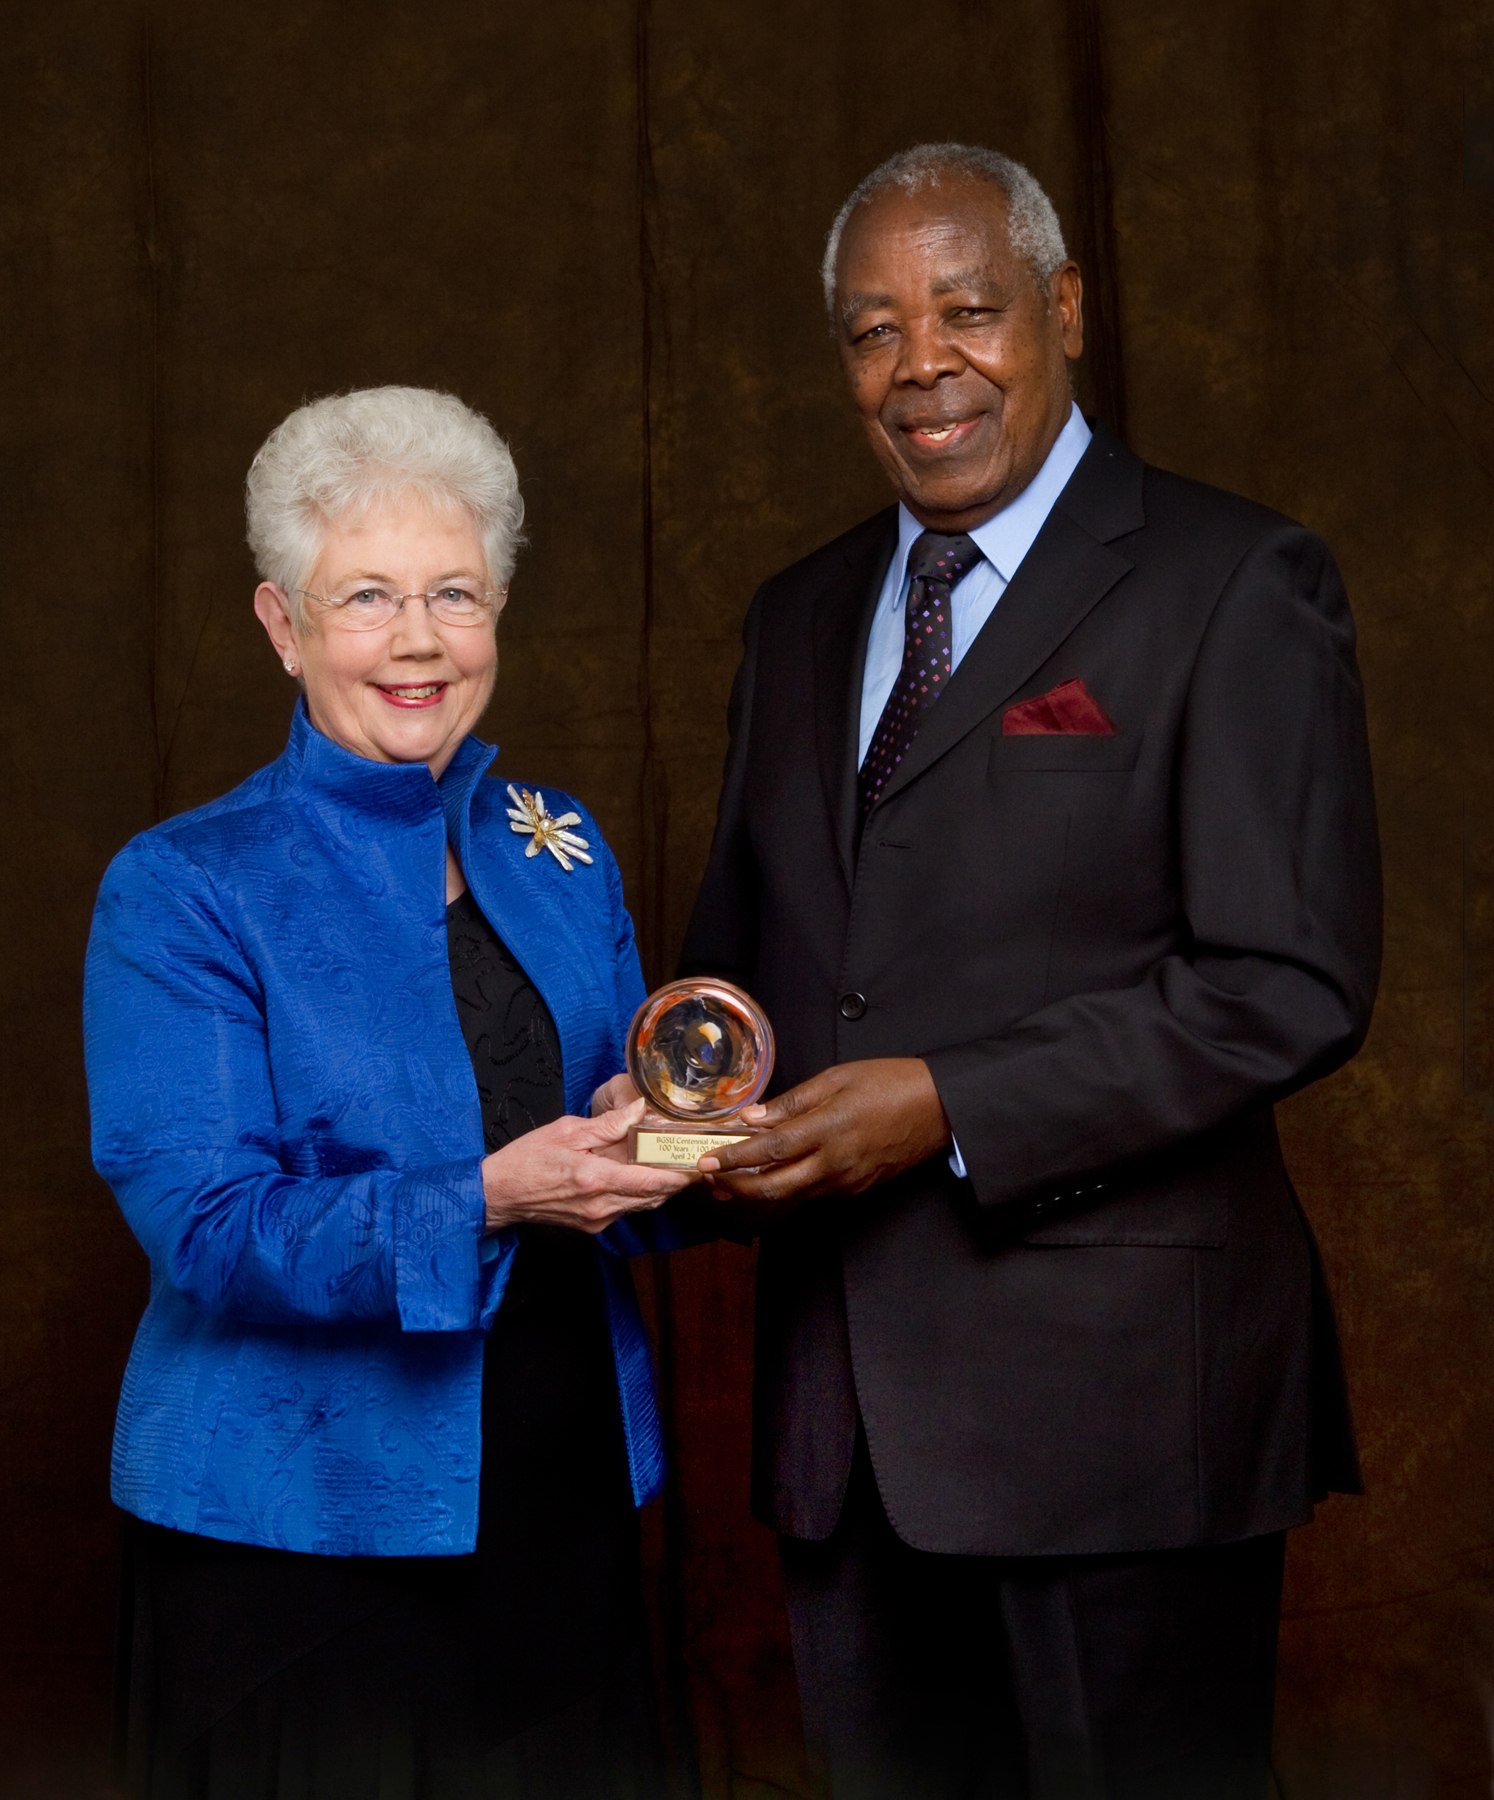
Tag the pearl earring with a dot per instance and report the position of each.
(290, 665)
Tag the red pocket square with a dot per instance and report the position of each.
(1070, 707)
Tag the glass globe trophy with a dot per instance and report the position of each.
(699, 1050)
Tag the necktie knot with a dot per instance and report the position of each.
(938, 556)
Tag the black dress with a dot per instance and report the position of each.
(517, 1671)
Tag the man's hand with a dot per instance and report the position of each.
(840, 1132)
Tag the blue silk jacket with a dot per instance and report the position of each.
(284, 1106)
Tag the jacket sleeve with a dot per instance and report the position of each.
(185, 1132)
(1273, 981)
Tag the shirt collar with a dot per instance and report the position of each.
(1006, 537)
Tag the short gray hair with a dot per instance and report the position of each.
(1035, 233)
(335, 457)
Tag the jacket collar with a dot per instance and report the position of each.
(1070, 567)
(325, 774)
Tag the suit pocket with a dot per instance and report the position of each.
(1070, 751)
(1165, 1220)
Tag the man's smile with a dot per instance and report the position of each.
(934, 436)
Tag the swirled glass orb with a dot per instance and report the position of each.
(700, 1049)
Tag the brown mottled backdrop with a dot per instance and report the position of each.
(599, 221)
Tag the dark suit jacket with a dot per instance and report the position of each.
(1115, 952)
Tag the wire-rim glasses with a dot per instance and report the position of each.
(369, 604)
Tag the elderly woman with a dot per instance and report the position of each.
(389, 1413)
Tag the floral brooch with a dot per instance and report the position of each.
(528, 815)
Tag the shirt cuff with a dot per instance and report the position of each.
(956, 1161)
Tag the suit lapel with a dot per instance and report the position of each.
(842, 619)
(1068, 570)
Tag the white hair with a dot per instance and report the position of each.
(335, 457)
(1032, 224)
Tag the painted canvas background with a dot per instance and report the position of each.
(600, 222)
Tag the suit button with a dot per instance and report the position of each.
(853, 1006)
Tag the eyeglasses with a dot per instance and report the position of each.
(366, 608)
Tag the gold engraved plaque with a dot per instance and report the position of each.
(699, 1050)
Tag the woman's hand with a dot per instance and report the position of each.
(619, 1091)
(566, 1174)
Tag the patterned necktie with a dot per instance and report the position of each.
(935, 564)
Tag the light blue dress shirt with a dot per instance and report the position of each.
(1004, 540)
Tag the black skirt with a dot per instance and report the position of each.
(516, 1671)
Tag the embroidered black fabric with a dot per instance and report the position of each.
(510, 1035)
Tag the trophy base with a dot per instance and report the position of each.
(678, 1148)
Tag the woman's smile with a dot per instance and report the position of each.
(431, 694)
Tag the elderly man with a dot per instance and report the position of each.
(1047, 840)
